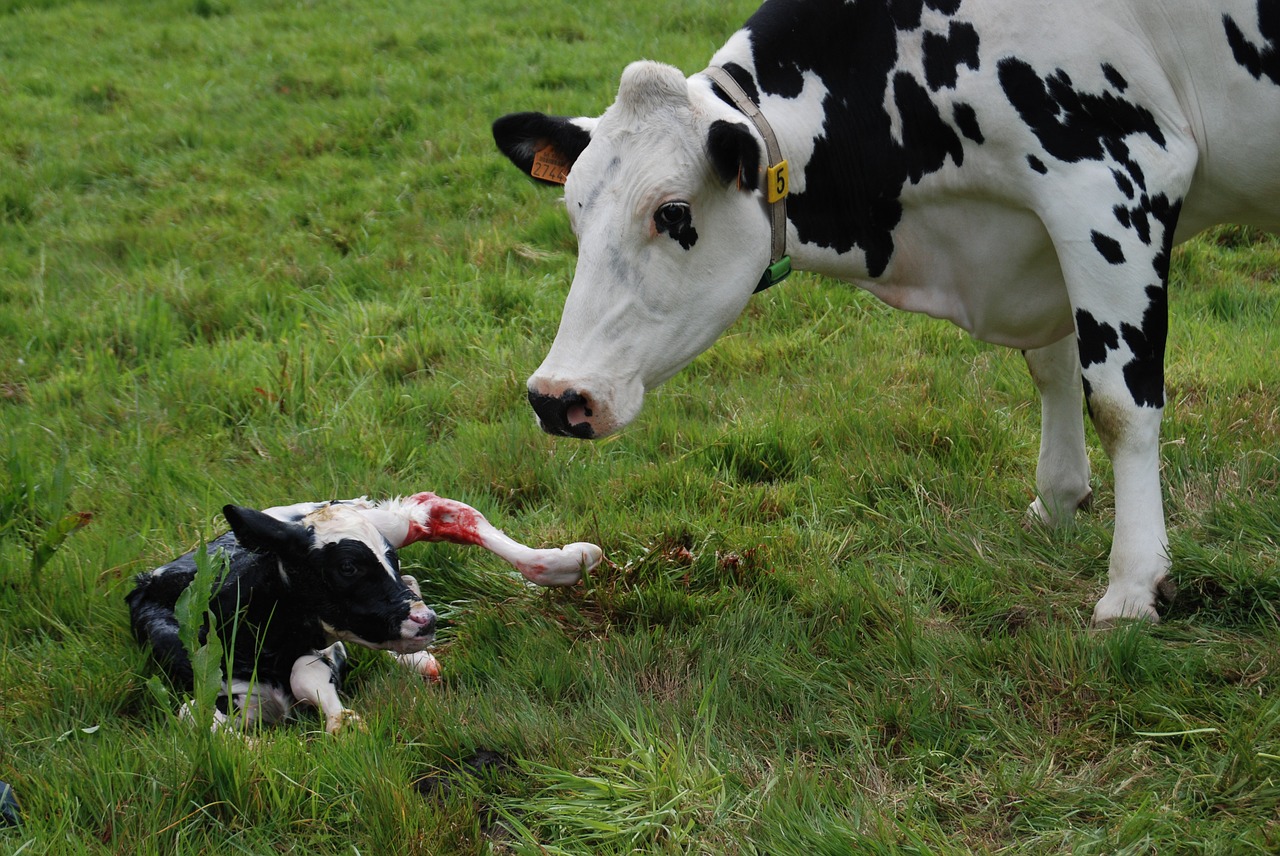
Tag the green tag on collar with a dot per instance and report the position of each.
(774, 274)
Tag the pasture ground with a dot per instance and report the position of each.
(263, 252)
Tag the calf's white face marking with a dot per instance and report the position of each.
(666, 245)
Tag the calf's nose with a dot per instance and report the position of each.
(422, 614)
(566, 414)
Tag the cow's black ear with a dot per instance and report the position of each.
(263, 533)
(545, 147)
(734, 154)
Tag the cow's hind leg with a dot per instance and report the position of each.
(1062, 474)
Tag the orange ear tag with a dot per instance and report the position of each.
(550, 165)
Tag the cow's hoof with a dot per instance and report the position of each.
(1113, 611)
(1039, 514)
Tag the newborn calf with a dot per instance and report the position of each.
(302, 579)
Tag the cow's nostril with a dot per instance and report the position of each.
(566, 414)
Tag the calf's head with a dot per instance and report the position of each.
(338, 569)
(662, 192)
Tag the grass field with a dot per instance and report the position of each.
(265, 252)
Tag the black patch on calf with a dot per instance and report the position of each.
(1258, 61)
(853, 49)
(1108, 248)
(944, 54)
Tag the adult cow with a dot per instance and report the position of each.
(1021, 169)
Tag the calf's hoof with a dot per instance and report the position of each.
(343, 720)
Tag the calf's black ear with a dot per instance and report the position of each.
(544, 147)
(734, 154)
(263, 533)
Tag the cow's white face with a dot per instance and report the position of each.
(672, 239)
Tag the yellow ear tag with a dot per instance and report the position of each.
(777, 182)
(550, 165)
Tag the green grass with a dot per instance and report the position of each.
(265, 252)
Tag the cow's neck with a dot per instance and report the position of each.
(848, 164)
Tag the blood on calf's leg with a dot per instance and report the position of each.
(434, 518)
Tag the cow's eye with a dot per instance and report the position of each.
(670, 216)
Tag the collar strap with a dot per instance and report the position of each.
(776, 178)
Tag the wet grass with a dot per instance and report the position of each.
(263, 252)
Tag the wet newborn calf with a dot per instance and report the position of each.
(302, 579)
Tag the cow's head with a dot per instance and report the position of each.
(673, 234)
(342, 572)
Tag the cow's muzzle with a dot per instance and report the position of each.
(567, 414)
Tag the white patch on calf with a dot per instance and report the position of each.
(342, 522)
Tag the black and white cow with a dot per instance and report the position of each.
(1021, 169)
(303, 579)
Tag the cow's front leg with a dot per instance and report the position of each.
(314, 680)
(1121, 326)
(1062, 474)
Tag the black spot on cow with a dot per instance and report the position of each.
(675, 219)
(1094, 339)
(1114, 77)
(906, 13)
(1258, 60)
(1108, 248)
(1036, 164)
(1144, 374)
(943, 55)
(853, 49)
(1123, 182)
(966, 119)
(1074, 126)
(743, 79)
(1167, 213)
(927, 139)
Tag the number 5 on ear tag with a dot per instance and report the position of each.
(777, 181)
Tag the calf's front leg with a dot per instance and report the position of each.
(314, 680)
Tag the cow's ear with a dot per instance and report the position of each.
(545, 147)
(734, 154)
(262, 533)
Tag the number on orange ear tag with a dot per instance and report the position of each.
(550, 165)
